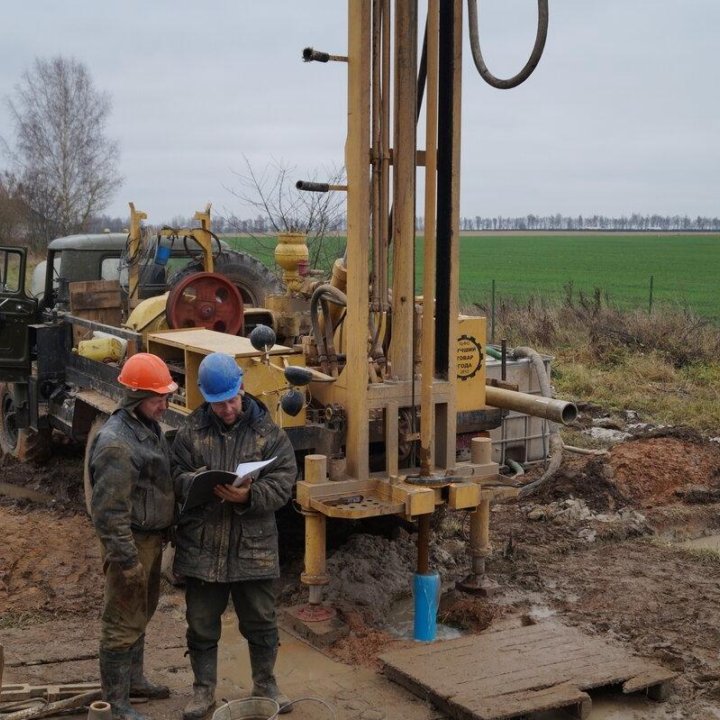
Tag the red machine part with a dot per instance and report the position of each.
(206, 300)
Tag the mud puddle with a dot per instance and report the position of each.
(400, 622)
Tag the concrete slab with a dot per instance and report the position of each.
(321, 633)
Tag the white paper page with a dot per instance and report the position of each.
(248, 468)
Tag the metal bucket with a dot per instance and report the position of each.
(252, 708)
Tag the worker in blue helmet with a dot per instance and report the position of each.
(229, 545)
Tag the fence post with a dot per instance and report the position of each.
(650, 304)
(492, 314)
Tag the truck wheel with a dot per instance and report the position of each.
(254, 281)
(21, 443)
(97, 423)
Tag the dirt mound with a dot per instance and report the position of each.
(49, 564)
(588, 478)
(60, 478)
(651, 471)
(471, 614)
(363, 644)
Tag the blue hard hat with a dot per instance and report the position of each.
(220, 378)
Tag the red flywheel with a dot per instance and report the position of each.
(206, 300)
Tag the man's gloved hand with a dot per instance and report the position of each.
(133, 576)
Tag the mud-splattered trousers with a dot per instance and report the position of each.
(132, 507)
(228, 549)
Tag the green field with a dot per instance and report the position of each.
(685, 268)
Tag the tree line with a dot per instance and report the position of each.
(634, 222)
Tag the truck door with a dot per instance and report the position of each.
(17, 312)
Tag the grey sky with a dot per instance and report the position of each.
(622, 114)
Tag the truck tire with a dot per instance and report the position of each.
(254, 281)
(21, 443)
(95, 426)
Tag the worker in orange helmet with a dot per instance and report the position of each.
(132, 508)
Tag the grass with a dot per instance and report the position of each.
(684, 268)
(665, 366)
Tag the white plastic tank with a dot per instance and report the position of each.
(522, 438)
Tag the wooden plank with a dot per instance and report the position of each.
(509, 673)
(97, 300)
(564, 695)
(204, 341)
(94, 294)
(50, 693)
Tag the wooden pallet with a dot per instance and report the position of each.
(49, 693)
(510, 673)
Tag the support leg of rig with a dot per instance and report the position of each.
(477, 582)
(315, 575)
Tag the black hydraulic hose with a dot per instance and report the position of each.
(334, 295)
(422, 74)
(530, 65)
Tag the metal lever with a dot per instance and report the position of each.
(318, 187)
(310, 54)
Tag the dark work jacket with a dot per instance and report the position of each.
(132, 485)
(231, 542)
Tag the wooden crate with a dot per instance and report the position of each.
(95, 300)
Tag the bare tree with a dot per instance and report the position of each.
(282, 208)
(65, 163)
(13, 211)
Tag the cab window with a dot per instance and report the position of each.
(10, 268)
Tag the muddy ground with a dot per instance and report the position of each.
(598, 547)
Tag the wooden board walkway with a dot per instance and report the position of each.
(510, 673)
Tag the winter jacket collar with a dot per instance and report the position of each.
(140, 429)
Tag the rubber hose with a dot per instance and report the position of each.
(556, 443)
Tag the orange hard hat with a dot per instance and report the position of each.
(145, 371)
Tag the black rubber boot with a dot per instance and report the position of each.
(140, 686)
(115, 682)
(204, 665)
(262, 662)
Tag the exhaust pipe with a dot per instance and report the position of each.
(558, 411)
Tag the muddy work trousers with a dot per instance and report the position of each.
(128, 608)
(254, 603)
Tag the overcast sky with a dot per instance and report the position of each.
(622, 115)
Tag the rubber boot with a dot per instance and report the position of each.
(115, 682)
(204, 665)
(262, 662)
(140, 686)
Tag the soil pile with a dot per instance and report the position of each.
(60, 478)
(644, 472)
(652, 471)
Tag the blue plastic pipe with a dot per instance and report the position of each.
(426, 588)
